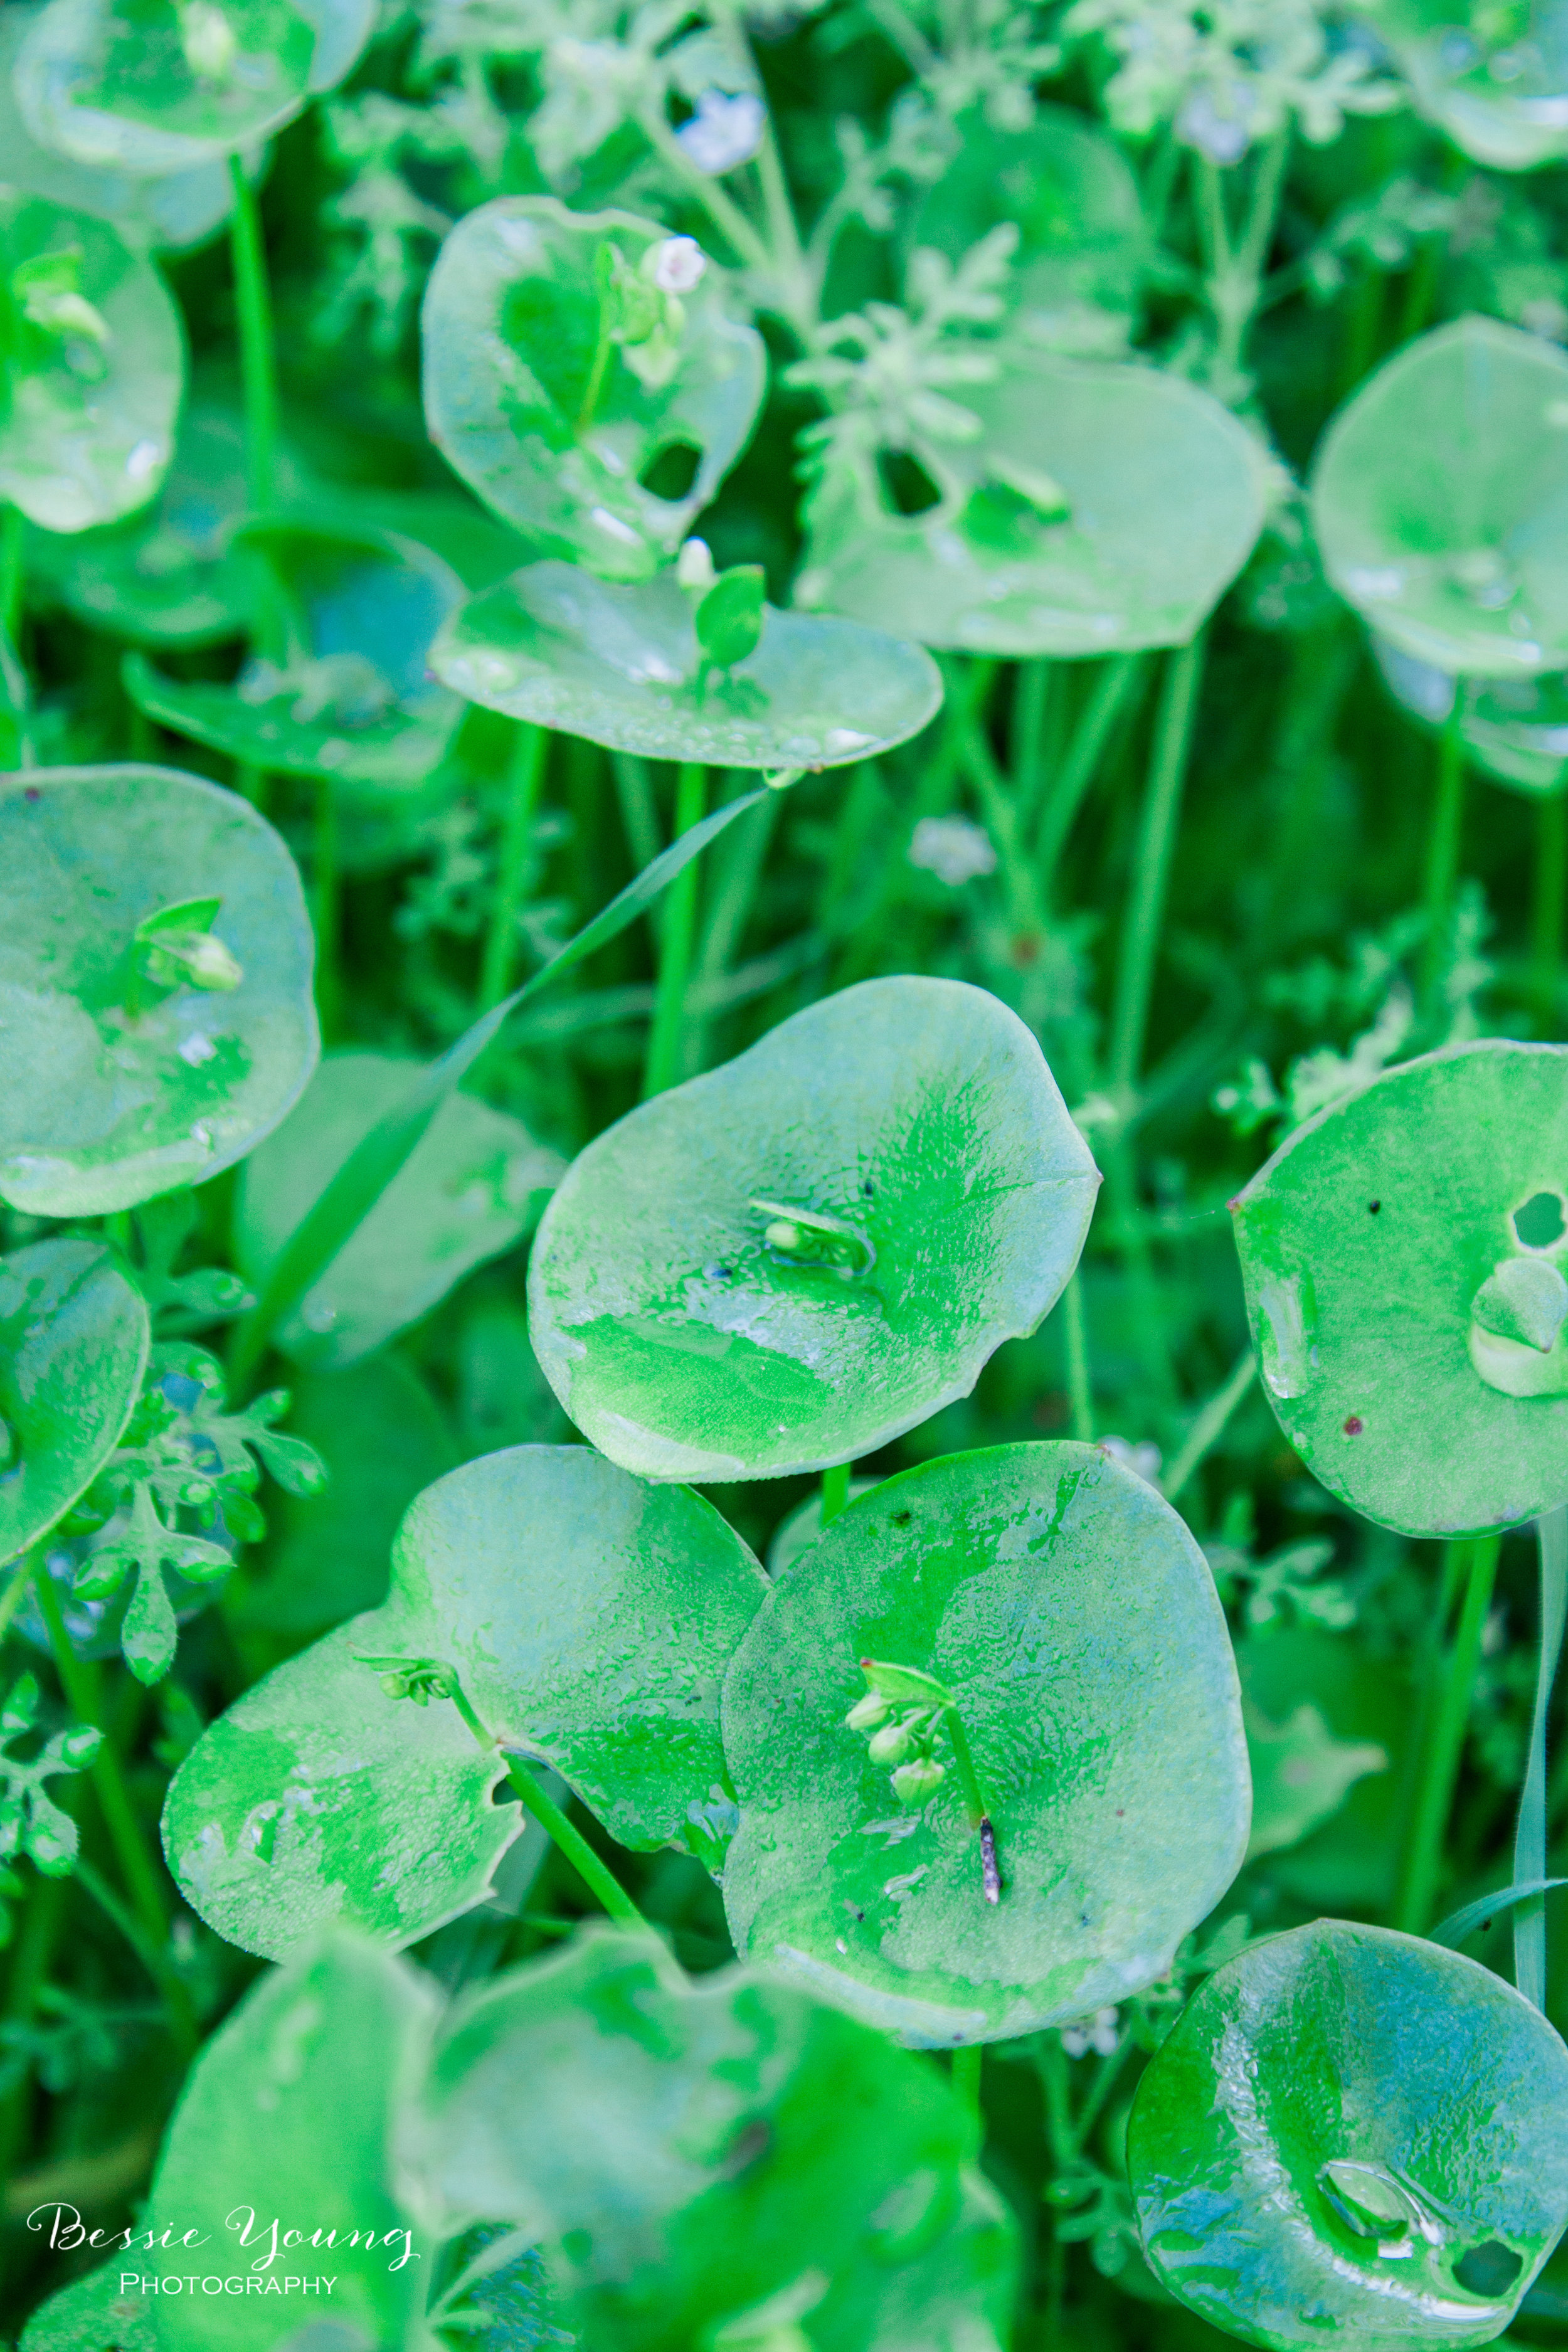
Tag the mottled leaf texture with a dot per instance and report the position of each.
(73, 1347)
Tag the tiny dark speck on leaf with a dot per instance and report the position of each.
(902, 1518)
(1354, 1426)
(31, 793)
(1372, 1207)
(1120, 1812)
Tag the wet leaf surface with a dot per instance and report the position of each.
(73, 1346)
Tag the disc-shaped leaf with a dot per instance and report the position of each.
(590, 1618)
(91, 368)
(635, 2122)
(1495, 81)
(73, 1347)
(1067, 186)
(468, 1192)
(1063, 1605)
(596, 447)
(172, 575)
(1098, 509)
(153, 87)
(1352, 2132)
(622, 666)
(353, 698)
(292, 2111)
(1514, 730)
(182, 210)
(113, 1086)
(92, 2315)
(1402, 1256)
(1440, 501)
(793, 1259)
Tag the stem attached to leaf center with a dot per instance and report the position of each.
(979, 1811)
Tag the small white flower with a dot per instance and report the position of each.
(678, 265)
(694, 566)
(1086, 2033)
(1143, 1461)
(952, 849)
(724, 132)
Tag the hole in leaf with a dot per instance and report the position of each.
(906, 486)
(671, 473)
(1490, 2269)
(1540, 1221)
(503, 1793)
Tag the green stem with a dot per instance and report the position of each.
(600, 1882)
(79, 1682)
(16, 1592)
(721, 207)
(28, 1975)
(1443, 841)
(675, 944)
(523, 781)
(11, 544)
(1106, 701)
(734, 888)
(324, 904)
(1036, 697)
(1104, 2082)
(975, 1799)
(257, 355)
(967, 2063)
(835, 1491)
(152, 1955)
(1549, 886)
(1444, 1742)
(1151, 875)
(1000, 809)
(594, 390)
(1210, 1425)
(1074, 1335)
(1529, 1843)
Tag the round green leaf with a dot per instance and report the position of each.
(1098, 509)
(1515, 730)
(637, 2123)
(1440, 501)
(153, 87)
(1366, 1242)
(171, 576)
(292, 2110)
(352, 698)
(468, 1192)
(91, 367)
(1352, 2132)
(560, 432)
(589, 1619)
(913, 1126)
(623, 667)
(102, 1105)
(73, 1347)
(180, 211)
(1082, 234)
(1072, 1618)
(1495, 80)
(91, 2314)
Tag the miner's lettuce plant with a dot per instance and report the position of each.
(712, 720)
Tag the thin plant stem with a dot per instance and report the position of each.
(1037, 699)
(16, 1592)
(789, 254)
(257, 353)
(1210, 1425)
(975, 1799)
(523, 779)
(601, 1883)
(1105, 2082)
(1529, 1843)
(720, 206)
(732, 894)
(12, 529)
(1456, 1683)
(153, 1956)
(1108, 698)
(30, 1961)
(1549, 886)
(639, 812)
(83, 1696)
(835, 1491)
(1151, 869)
(664, 1045)
(1075, 1336)
(324, 911)
(967, 2063)
(1443, 841)
(1000, 808)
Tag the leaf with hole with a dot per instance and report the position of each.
(1440, 501)
(1097, 508)
(73, 1347)
(533, 400)
(155, 87)
(626, 667)
(1494, 80)
(350, 697)
(1082, 240)
(292, 2109)
(1371, 1244)
(789, 1261)
(468, 1190)
(1352, 2132)
(1066, 1608)
(173, 575)
(589, 1619)
(636, 2121)
(92, 367)
(100, 1107)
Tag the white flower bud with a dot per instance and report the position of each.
(891, 1745)
(677, 265)
(867, 1711)
(913, 1783)
(694, 566)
